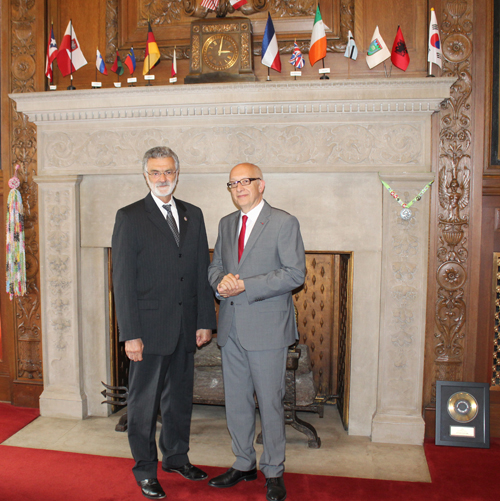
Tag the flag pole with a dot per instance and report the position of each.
(324, 76)
(71, 87)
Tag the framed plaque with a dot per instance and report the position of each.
(462, 414)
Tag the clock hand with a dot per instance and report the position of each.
(224, 52)
(220, 48)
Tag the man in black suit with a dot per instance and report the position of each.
(165, 308)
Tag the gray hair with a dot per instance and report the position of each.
(159, 152)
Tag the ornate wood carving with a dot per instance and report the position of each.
(111, 30)
(24, 153)
(495, 369)
(168, 13)
(454, 196)
(323, 318)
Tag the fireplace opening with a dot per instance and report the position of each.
(323, 305)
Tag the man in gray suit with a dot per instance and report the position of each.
(165, 308)
(258, 260)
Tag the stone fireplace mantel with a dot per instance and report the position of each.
(322, 146)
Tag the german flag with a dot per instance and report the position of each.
(152, 54)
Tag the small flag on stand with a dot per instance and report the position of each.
(51, 55)
(378, 51)
(297, 58)
(351, 51)
(237, 3)
(152, 54)
(15, 246)
(399, 55)
(118, 65)
(317, 50)
(70, 56)
(210, 4)
(130, 61)
(270, 50)
(434, 54)
(99, 63)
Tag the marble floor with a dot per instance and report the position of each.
(340, 454)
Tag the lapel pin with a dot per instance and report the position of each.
(185, 218)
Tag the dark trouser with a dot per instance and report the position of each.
(165, 383)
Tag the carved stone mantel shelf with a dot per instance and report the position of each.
(323, 143)
(391, 95)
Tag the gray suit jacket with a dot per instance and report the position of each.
(161, 290)
(272, 265)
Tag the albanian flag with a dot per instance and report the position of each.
(399, 55)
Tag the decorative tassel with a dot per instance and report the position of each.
(16, 264)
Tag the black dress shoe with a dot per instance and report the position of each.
(232, 477)
(188, 471)
(275, 489)
(151, 488)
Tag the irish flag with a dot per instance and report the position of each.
(318, 39)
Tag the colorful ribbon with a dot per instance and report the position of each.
(398, 199)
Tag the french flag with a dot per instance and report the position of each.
(270, 50)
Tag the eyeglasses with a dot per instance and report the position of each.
(156, 174)
(244, 182)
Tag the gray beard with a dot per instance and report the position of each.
(159, 194)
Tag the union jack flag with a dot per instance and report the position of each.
(210, 4)
(297, 58)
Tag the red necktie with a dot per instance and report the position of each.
(241, 239)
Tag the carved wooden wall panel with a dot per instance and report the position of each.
(25, 26)
(448, 337)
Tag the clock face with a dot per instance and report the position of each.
(220, 52)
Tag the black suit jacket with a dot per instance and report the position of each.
(161, 290)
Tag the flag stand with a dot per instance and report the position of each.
(324, 76)
(430, 70)
(268, 74)
(71, 86)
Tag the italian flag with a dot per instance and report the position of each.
(318, 39)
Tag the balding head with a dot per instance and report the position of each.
(247, 197)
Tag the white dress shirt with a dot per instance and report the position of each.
(160, 205)
(253, 215)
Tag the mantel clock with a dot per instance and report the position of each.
(221, 51)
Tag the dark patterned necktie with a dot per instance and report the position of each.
(171, 222)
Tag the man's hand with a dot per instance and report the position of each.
(203, 336)
(133, 349)
(230, 286)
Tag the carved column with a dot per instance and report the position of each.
(24, 22)
(448, 336)
(398, 418)
(63, 394)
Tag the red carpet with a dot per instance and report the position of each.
(460, 474)
(12, 419)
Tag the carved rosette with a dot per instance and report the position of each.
(454, 196)
(23, 152)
